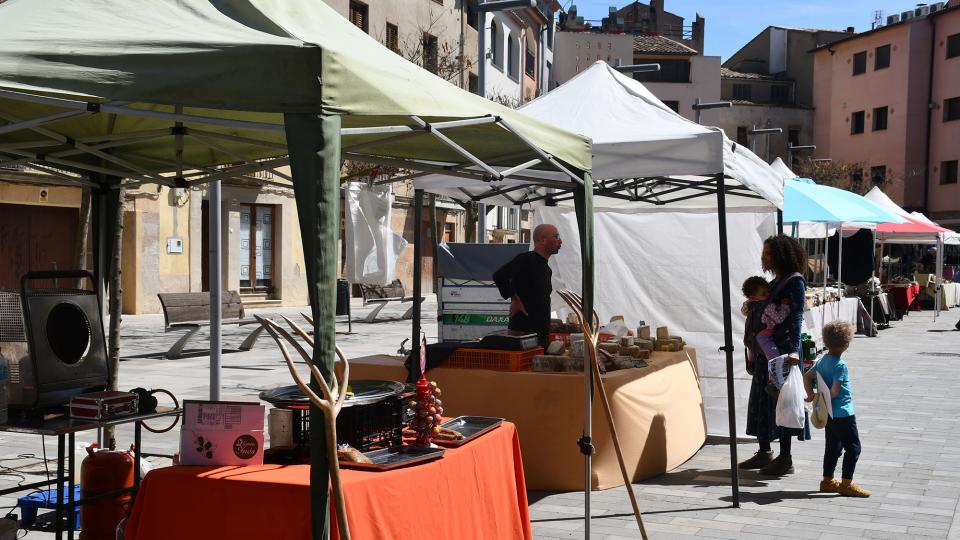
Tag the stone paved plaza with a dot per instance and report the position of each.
(904, 385)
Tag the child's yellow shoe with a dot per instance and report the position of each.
(849, 489)
(829, 485)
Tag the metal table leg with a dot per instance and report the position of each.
(136, 458)
(58, 524)
(71, 521)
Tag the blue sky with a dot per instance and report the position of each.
(732, 23)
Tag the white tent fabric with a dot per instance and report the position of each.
(636, 136)
(781, 169)
(951, 238)
(660, 266)
(371, 245)
(878, 197)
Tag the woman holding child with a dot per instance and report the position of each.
(776, 331)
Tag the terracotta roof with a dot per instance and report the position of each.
(726, 73)
(660, 45)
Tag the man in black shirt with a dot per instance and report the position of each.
(526, 281)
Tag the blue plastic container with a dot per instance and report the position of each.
(30, 504)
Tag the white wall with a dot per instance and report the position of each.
(498, 82)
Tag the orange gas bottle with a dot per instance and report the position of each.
(103, 471)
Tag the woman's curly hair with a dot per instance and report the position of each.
(787, 255)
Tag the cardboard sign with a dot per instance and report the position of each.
(221, 433)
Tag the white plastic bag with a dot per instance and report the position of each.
(790, 410)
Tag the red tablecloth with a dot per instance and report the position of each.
(475, 491)
(904, 296)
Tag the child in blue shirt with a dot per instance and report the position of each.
(841, 430)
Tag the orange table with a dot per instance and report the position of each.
(475, 491)
(658, 410)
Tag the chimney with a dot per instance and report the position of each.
(850, 29)
(698, 32)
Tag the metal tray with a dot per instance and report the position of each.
(365, 392)
(471, 427)
(392, 458)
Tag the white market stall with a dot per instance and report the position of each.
(671, 189)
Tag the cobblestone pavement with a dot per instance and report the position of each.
(903, 383)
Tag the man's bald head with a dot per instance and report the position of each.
(546, 240)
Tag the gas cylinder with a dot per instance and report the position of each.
(103, 471)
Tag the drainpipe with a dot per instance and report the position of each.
(926, 157)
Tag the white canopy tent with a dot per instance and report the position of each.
(671, 188)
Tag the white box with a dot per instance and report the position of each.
(221, 433)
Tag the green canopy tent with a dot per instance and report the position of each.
(191, 92)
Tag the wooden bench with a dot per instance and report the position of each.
(381, 295)
(191, 311)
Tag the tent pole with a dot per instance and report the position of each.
(779, 221)
(216, 286)
(728, 337)
(939, 277)
(314, 143)
(826, 271)
(840, 269)
(417, 272)
(583, 202)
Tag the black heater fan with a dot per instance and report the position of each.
(65, 336)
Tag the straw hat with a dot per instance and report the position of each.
(819, 416)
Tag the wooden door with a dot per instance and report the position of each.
(35, 238)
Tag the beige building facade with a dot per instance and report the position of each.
(883, 98)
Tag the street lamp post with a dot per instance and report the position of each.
(704, 105)
(799, 148)
(755, 131)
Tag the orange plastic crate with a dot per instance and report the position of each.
(494, 359)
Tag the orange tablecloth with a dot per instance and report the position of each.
(658, 410)
(475, 491)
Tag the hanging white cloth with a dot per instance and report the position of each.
(371, 245)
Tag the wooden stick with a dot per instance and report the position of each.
(329, 406)
(590, 348)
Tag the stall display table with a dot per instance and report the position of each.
(65, 429)
(475, 491)
(658, 410)
(950, 295)
(814, 318)
(904, 296)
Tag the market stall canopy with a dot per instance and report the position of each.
(911, 230)
(644, 153)
(188, 85)
(951, 237)
(804, 200)
(781, 169)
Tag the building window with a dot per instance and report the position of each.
(549, 36)
(878, 174)
(860, 63)
(951, 109)
(953, 46)
(530, 63)
(393, 38)
(742, 136)
(513, 58)
(473, 83)
(671, 71)
(856, 122)
(793, 136)
(856, 177)
(449, 232)
(473, 15)
(881, 57)
(673, 105)
(430, 53)
(358, 15)
(948, 172)
(879, 118)
(742, 91)
(779, 93)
